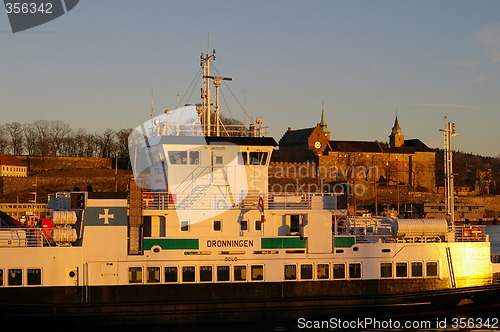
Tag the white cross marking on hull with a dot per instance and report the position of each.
(106, 216)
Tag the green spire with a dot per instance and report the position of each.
(323, 123)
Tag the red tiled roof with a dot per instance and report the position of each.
(7, 159)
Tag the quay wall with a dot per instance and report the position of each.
(38, 163)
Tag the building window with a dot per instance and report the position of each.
(217, 225)
(258, 225)
(171, 274)
(402, 270)
(185, 226)
(240, 273)
(153, 274)
(135, 275)
(338, 271)
(34, 276)
(244, 225)
(223, 273)
(257, 272)
(386, 270)
(417, 270)
(323, 271)
(188, 274)
(290, 272)
(15, 277)
(205, 273)
(306, 271)
(431, 269)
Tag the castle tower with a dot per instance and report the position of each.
(323, 124)
(396, 138)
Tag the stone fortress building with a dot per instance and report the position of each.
(403, 162)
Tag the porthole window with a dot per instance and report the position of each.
(15, 277)
(135, 275)
(34, 276)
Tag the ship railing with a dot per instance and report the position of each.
(220, 201)
(23, 237)
(470, 233)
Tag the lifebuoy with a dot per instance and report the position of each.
(476, 231)
(261, 203)
(147, 200)
(466, 232)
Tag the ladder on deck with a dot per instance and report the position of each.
(450, 268)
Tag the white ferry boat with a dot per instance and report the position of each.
(200, 239)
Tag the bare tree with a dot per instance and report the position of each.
(122, 142)
(106, 143)
(15, 131)
(4, 141)
(42, 133)
(58, 131)
(30, 138)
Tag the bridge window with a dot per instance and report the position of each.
(205, 273)
(290, 272)
(355, 270)
(15, 277)
(338, 271)
(323, 271)
(194, 157)
(417, 270)
(34, 276)
(135, 275)
(258, 158)
(240, 273)
(386, 270)
(242, 158)
(188, 274)
(171, 274)
(431, 269)
(153, 274)
(257, 272)
(223, 273)
(177, 157)
(402, 270)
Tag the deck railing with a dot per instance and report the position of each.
(23, 237)
(219, 201)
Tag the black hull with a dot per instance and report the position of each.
(232, 302)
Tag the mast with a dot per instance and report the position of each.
(449, 132)
(205, 92)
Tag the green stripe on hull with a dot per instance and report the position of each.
(172, 244)
(282, 243)
(343, 241)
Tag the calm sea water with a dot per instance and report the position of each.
(494, 232)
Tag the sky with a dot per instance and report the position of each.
(100, 65)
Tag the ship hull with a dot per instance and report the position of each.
(212, 303)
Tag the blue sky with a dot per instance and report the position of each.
(96, 66)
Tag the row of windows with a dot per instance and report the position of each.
(13, 169)
(217, 225)
(15, 277)
(320, 271)
(174, 274)
(193, 158)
